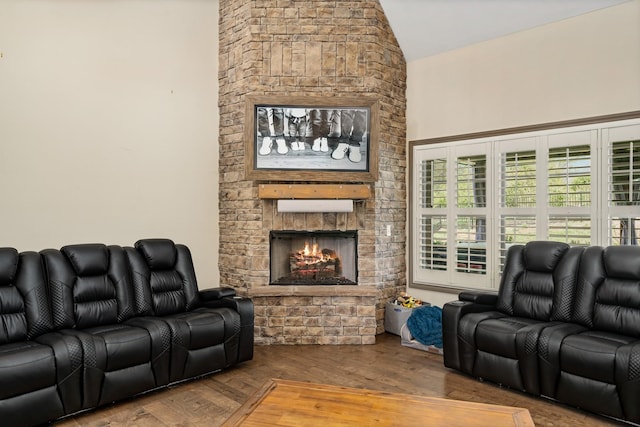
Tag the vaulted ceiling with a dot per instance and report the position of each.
(428, 27)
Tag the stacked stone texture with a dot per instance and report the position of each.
(316, 319)
(316, 48)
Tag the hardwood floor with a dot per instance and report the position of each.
(385, 366)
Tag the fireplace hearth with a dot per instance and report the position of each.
(313, 257)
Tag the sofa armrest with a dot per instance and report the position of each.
(244, 307)
(484, 298)
(216, 293)
(452, 312)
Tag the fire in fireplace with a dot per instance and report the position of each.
(313, 257)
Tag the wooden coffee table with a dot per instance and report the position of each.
(292, 403)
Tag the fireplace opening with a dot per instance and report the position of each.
(313, 257)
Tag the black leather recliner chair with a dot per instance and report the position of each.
(594, 362)
(203, 339)
(500, 341)
(565, 325)
(92, 298)
(40, 370)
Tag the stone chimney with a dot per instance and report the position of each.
(312, 48)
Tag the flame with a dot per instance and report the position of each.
(312, 254)
(313, 251)
(311, 262)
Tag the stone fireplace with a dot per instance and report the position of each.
(319, 313)
(314, 48)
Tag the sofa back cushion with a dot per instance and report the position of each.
(538, 281)
(608, 290)
(89, 285)
(163, 277)
(24, 309)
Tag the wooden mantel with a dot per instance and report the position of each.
(314, 191)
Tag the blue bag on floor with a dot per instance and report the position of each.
(425, 324)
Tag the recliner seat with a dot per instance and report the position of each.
(502, 343)
(202, 339)
(594, 362)
(92, 298)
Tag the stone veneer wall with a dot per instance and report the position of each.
(326, 48)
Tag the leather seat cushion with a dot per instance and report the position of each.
(205, 328)
(125, 345)
(498, 336)
(24, 367)
(592, 354)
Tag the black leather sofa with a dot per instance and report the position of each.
(564, 325)
(91, 324)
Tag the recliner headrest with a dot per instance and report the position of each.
(160, 254)
(543, 256)
(8, 265)
(622, 262)
(89, 259)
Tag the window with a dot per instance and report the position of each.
(474, 198)
(624, 192)
(518, 179)
(433, 222)
(514, 230)
(433, 242)
(569, 193)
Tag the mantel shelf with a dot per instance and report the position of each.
(314, 191)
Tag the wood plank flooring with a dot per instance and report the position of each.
(385, 366)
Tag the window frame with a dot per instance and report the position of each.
(597, 132)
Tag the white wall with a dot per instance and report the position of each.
(577, 68)
(580, 67)
(109, 124)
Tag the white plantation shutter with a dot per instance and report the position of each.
(624, 175)
(514, 230)
(471, 181)
(473, 199)
(471, 219)
(471, 246)
(623, 185)
(569, 176)
(574, 230)
(518, 179)
(433, 242)
(433, 183)
(569, 190)
(624, 231)
(516, 210)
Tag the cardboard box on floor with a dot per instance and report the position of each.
(395, 316)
